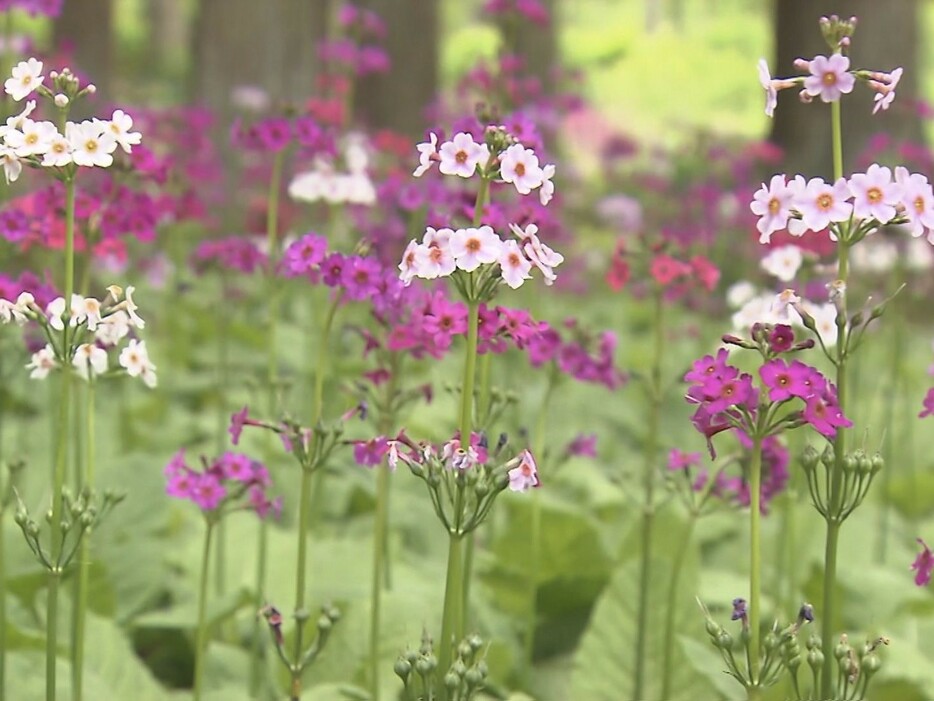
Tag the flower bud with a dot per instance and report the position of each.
(20, 517)
(815, 659)
(475, 642)
(871, 664)
(713, 628)
(724, 641)
(61, 100)
(850, 463)
(473, 677)
(301, 615)
(464, 650)
(793, 663)
(770, 642)
(402, 668)
(459, 668)
(426, 665)
(87, 519)
(451, 680)
(877, 463)
(827, 457)
(324, 624)
(809, 458)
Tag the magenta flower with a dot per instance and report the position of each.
(237, 421)
(207, 491)
(726, 393)
(680, 460)
(785, 382)
(824, 415)
(923, 565)
(370, 453)
(584, 446)
(928, 404)
(772, 204)
(181, 484)
(236, 466)
(830, 77)
(707, 367)
(781, 339)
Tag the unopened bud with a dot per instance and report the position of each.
(473, 677)
(809, 458)
(402, 668)
(802, 64)
(871, 664)
(724, 641)
(827, 457)
(815, 659)
(713, 628)
(464, 650)
(451, 680)
(877, 463)
(459, 668)
(60, 100)
(91, 89)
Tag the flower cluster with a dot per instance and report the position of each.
(851, 208)
(728, 398)
(531, 10)
(234, 481)
(273, 134)
(46, 8)
(583, 357)
(357, 53)
(325, 182)
(40, 144)
(676, 273)
(229, 253)
(98, 327)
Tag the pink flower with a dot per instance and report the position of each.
(680, 460)
(515, 267)
(781, 338)
(519, 166)
(472, 247)
(923, 565)
(785, 382)
(874, 194)
(525, 474)
(237, 421)
(666, 269)
(917, 199)
(207, 491)
(771, 94)
(824, 415)
(461, 155)
(829, 77)
(181, 484)
(706, 272)
(928, 403)
(433, 261)
(885, 93)
(541, 255)
(821, 203)
(707, 367)
(427, 154)
(370, 453)
(583, 446)
(772, 204)
(725, 393)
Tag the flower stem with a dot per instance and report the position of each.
(84, 558)
(835, 495)
(61, 458)
(3, 642)
(648, 484)
(452, 619)
(755, 560)
(201, 635)
(672, 606)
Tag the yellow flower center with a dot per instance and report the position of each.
(874, 195)
(825, 202)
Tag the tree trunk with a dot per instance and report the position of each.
(538, 46)
(84, 34)
(169, 33)
(886, 37)
(397, 100)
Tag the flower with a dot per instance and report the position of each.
(90, 145)
(928, 404)
(26, 78)
(541, 256)
(90, 360)
(31, 139)
(739, 610)
(824, 415)
(829, 77)
(525, 474)
(917, 198)
(784, 381)
(771, 94)
(772, 204)
(473, 247)
(119, 125)
(874, 194)
(238, 420)
(680, 460)
(515, 267)
(519, 166)
(135, 360)
(42, 362)
(885, 94)
(821, 203)
(783, 262)
(370, 453)
(426, 154)
(58, 153)
(547, 190)
(461, 155)
(923, 565)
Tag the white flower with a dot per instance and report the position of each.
(472, 247)
(360, 189)
(515, 267)
(32, 138)
(16, 121)
(131, 308)
(307, 187)
(785, 307)
(547, 190)
(27, 76)
(426, 150)
(408, 268)
(119, 125)
(519, 166)
(355, 154)
(543, 257)
(433, 261)
(135, 360)
(825, 319)
(113, 328)
(85, 309)
(55, 310)
(90, 146)
(90, 359)
(783, 262)
(461, 155)
(525, 474)
(58, 153)
(11, 164)
(739, 293)
(16, 311)
(42, 362)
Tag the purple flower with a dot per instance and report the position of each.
(584, 446)
(370, 453)
(781, 339)
(739, 610)
(680, 460)
(923, 565)
(207, 491)
(785, 382)
(928, 403)
(237, 421)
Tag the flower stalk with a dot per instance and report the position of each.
(201, 634)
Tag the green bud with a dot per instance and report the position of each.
(850, 463)
(77, 508)
(32, 528)
(402, 668)
(324, 624)
(482, 668)
(481, 489)
(475, 642)
(417, 469)
(809, 458)
(814, 642)
(464, 650)
(451, 680)
(459, 668)
(793, 663)
(426, 664)
(877, 463)
(473, 677)
(827, 457)
(20, 517)
(815, 659)
(724, 641)
(87, 519)
(301, 615)
(871, 664)
(410, 656)
(65, 526)
(770, 641)
(713, 628)
(841, 650)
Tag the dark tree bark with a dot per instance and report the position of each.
(84, 32)
(886, 37)
(268, 44)
(397, 99)
(538, 46)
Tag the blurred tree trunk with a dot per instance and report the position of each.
(169, 33)
(538, 46)
(397, 99)
(887, 36)
(268, 44)
(84, 32)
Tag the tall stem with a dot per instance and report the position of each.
(61, 458)
(836, 480)
(201, 635)
(3, 504)
(84, 557)
(672, 606)
(755, 559)
(648, 486)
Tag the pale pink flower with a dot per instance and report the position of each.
(822, 203)
(433, 261)
(461, 155)
(874, 194)
(783, 262)
(90, 360)
(830, 77)
(541, 255)
(407, 268)
(473, 247)
(515, 266)
(917, 199)
(885, 92)
(772, 204)
(547, 190)
(42, 362)
(525, 474)
(771, 94)
(519, 166)
(426, 154)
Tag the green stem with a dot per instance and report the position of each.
(201, 635)
(470, 368)
(3, 642)
(61, 459)
(648, 484)
(835, 495)
(672, 607)
(84, 557)
(755, 560)
(451, 621)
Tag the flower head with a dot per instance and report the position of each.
(525, 474)
(427, 154)
(874, 194)
(27, 76)
(830, 77)
(923, 565)
(771, 94)
(519, 166)
(461, 155)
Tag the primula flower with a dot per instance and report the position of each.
(772, 204)
(784, 381)
(923, 565)
(765, 80)
(885, 93)
(874, 194)
(90, 360)
(666, 269)
(547, 190)
(519, 166)
(928, 403)
(370, 453)
(135, 360)
(207, 491)
(91, 146)
(525, 474)
(461, 155)
(584, 446)
(473, 247)
(432, 261)
(119, 125)
(824, 415)
(27, 76)
(830, 77)
(515, 267)
(680, 460)
(42, 363)
(781, 338)
(427, 154)
(917, 199)
(821, 203)
(783, 262)
(541, 256)
(31, 139)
